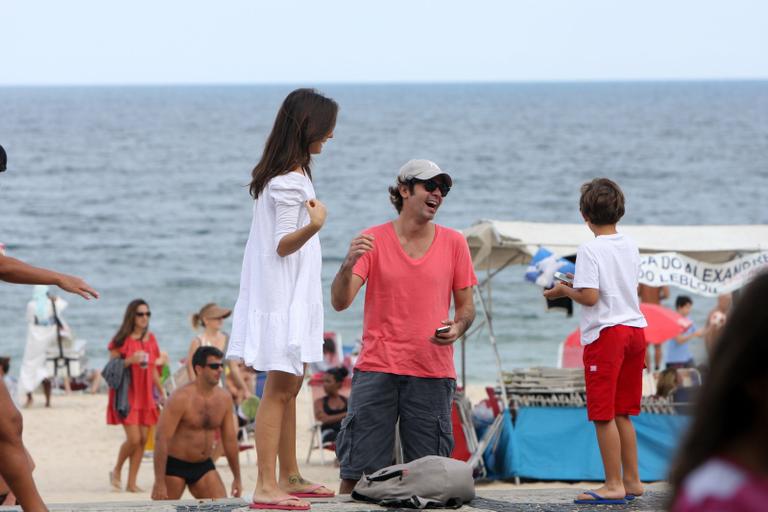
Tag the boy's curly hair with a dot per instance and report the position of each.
(602, 202)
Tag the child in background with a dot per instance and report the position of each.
(678, 354)
(722, 465)
(611, 325)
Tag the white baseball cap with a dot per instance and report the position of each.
(421, 169)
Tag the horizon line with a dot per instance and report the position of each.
(389, 82)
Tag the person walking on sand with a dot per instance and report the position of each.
(411, 267)
(190, 420)
(278, 318)
(15, 464)
(137, 347)
(612, 333)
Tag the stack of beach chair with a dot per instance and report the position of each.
(562, 387)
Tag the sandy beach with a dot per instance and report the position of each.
(74, 449)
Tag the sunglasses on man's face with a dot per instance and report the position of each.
(432, 184)
(215, 366)
(144, 313)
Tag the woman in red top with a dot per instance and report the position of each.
(138, 348)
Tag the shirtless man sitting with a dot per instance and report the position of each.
(186, 430)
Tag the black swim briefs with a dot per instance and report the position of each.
(191, 472)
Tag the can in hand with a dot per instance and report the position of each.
(144, 360)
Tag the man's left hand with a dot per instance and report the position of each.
(447, 338)
(236, 488)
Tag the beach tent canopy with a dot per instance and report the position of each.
(495, 244)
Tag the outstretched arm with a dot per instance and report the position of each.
(16, 271)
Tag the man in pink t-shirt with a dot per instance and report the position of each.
(412, 268)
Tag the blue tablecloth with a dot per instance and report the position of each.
(559, 443)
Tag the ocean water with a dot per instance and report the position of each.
(143, 190)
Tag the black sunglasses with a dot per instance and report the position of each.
(432, 184)
(215, 366)
(147, 314)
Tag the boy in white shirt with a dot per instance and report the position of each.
(612, 333)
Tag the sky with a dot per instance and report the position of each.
(55, 42)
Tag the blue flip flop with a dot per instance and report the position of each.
(599, 500)
(630, 497)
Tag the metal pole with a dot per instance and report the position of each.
(492, 338)
(464, 362)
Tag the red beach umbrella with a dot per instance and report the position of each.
(663, 323)
(571, 351)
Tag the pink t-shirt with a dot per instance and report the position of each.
(719, 485)
(407, 299)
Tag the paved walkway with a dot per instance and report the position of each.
(539, 500)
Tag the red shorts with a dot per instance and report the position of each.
(613, 371)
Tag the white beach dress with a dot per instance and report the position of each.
(277, 322)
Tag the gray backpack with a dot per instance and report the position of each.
(428, 482)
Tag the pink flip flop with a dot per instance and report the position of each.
(309, 493)
(278, 505)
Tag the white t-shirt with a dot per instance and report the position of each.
(610, 264)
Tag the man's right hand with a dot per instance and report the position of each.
(76, 285)
(360, 245)
(159, 491)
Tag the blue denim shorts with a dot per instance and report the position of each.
(366, 442)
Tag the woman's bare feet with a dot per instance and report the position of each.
(114, 480)
(278, 497)
(134, 488)
(297, 485)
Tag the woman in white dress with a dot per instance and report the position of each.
(278, 319)
(41, 333)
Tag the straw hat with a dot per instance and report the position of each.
(213, 310)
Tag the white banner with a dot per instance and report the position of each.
(708, 279)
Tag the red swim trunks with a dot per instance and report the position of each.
(613, 371)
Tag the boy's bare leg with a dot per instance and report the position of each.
(14, 463)
(628, 438)
(610, 451)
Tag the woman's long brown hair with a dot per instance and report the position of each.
(306, 116)
(725, 408)
(129, 322)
